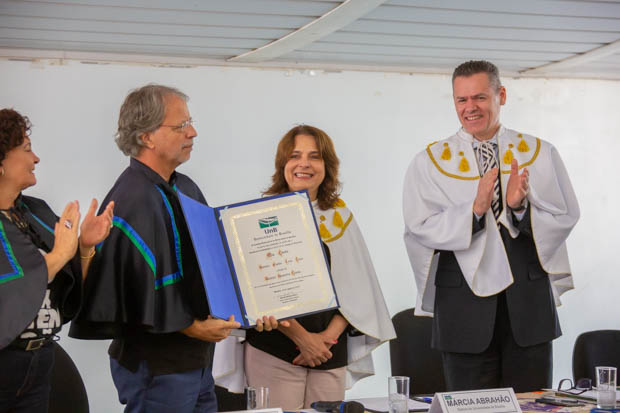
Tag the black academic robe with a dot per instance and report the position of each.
(23, 271)
(144, 276)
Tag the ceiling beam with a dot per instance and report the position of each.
(576, 60)
(335, 19)
(42, 58)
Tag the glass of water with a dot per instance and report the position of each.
(257, 397)
(398, 394)
(606, 379)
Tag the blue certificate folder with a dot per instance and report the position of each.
(217, 266)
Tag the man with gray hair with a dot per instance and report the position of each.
(487, 213)
(144, 290)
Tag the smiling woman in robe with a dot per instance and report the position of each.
(318, 356)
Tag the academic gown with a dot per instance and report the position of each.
(23, 272)
(440, 188)
(144, 276)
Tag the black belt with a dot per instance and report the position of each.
(31, 344)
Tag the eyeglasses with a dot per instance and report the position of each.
(582, 386)
(182, 126)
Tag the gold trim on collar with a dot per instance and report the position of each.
(346, 224)
(531, 161)
(430, 154)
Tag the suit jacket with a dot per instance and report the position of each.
(464, 322)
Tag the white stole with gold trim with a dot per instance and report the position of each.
(440, 187)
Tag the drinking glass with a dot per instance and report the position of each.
(398, 394)
(257, 397)
(606, 379)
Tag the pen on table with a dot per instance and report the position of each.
(558, 401)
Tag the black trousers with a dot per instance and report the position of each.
(25, 379)
(503, 364)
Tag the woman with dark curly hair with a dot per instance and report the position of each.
(41, 270)
(317, 356)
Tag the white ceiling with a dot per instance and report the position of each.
(551, 38)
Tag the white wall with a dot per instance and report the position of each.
(378, 122)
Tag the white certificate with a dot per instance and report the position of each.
(277, 262)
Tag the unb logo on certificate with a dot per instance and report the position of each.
(268, 222)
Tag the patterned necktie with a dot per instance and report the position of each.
(486, 152)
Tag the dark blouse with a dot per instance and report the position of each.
(279, 345)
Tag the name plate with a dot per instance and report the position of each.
(476, 401)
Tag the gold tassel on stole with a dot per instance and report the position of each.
(463, 165)
(509, 156)
(523, 147)
(337, 221)
(325, 234)
(446, 155)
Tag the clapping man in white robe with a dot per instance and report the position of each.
(487, 213)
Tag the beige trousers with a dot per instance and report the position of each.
(292, 387)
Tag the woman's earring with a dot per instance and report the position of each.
(2, 172)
